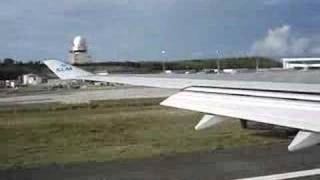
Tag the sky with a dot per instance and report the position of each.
(140, 29)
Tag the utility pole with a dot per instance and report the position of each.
(218, 61)
(163, 60)
(257, 64)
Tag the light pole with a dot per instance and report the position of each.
(218, 61)
(257, 64)
(163, 52)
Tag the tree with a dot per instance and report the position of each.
(8, 61)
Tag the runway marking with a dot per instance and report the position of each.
(289, 175)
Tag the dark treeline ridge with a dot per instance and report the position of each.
(225, 63)
(11, 69)
(196, 64)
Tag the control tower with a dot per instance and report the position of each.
(79, 51)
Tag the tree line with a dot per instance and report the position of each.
(12, 69)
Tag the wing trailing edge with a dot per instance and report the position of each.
(298, 111)
(290, 113)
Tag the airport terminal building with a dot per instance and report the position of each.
(301, 63)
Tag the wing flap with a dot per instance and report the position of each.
(209, 120)
(304, 140)
(283, 112)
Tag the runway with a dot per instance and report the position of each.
(85, 96)
(239, 163)
(281, 76)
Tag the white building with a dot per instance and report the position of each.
(79, 51)
(301, 63)
(10, 83)
(31, 79)
(102, 73)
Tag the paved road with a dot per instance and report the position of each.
(223, 164)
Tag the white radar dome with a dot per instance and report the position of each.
(79, 44)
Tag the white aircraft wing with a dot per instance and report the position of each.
(284, 104)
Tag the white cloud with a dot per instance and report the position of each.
(280, 42)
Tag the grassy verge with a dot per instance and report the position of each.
(109, 131)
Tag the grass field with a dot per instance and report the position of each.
(109, 131)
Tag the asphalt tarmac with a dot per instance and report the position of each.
(85, 96)
(221, 164)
